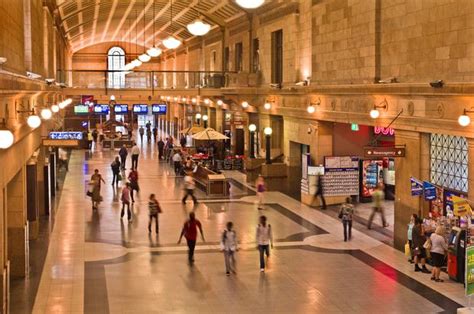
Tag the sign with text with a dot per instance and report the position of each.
(429, 190)
(376, 152)
(101, 109)
(158, 109)
(60, 143)
(461, 206)
(470, 270)
(81, 109)
(416, 187)
(121, 109)
(140, 109)
(65, 135)
(86, 99)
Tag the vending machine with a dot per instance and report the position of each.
(371, 174)
(456, 254)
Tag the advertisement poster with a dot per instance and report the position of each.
(469, 270)
(429, 190)
(436, 205)
(460, 206)
(372, 174)
(448, 200)
(416, 187)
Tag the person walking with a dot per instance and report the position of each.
(123, 153)
(148, 135)
(154, 209)
(177, 160)
(411, 224)
(345, 214)
(95, 135)
(438, 250)
(135, 155)
(260, 185)
(96, 180)
(182, 141)
(419, 239)
(62, 155)
(189, 232)
(141, 131)
(90, 138)
(115, 166)
(133, 178)
(229, 247)
(264, 240)
(155, 133)
(189, 186)
(126, 192)
(319, 193)
(161, 147)
(377, 207)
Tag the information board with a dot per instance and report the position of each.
(140, 109)
(65, 135)
(159, 109)
(101, 109)
(341, 176)
(121, 109)
(81, 109)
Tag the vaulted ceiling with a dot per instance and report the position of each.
(88, 22)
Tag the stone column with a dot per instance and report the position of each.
(406, 167)
(17, 225)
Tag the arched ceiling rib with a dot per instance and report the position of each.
(88, 22)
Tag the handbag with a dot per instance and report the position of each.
(119, 177)
(407, 250)
(89, 193)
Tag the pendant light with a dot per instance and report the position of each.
(171, 42)
(154, 51)
(250, 4)
(144, 57)
(198, 27)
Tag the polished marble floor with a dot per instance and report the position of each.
(97, 263)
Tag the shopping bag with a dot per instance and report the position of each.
(407, 250)
(119, 177)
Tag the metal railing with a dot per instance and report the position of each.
(99, 79)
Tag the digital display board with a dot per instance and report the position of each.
(101, 109)
(121, 109)
(81, 109)
(158, 108)
(65, 135)
(140, 109)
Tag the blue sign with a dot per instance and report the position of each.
(416, 187)
(158, 108)
(101, 109)
(429, 191)
(140, 109)
(121, 109)
(65, 135)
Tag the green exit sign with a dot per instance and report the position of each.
(354, 127)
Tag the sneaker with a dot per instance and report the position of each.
(262, 270)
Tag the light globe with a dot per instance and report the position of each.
(46, 114)
(6, 138)
(268, 131)
(464, 120)
(33, 121)
(252, 128)
(374, 113)
(250, 4)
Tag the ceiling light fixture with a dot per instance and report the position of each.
(144, 57)
(171, 42)
(154, 51)
(198, 27)
(250, 4)
(136, 63)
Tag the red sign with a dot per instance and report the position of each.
(384, 131)
(87, 99)
(374, 152)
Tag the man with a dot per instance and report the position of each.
(177, 160)
(264, 237)
(319, 192)
(182, 141)
(123, 152)
(148, 125)
(378, 197)
(155, 133)
(135, 154)
(189, 231)
(189, 186)
(141, 130)
(161, 147)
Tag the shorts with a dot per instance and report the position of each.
(437, 259)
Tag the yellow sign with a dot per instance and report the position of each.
(61, 143)
(461, 206)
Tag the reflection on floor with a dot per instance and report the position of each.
(98, 263)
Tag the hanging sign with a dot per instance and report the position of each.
(374, 152)
(469, 270)
(65, 135)
(460, 206)
(429, 190)
(159, 109)
(416, 187)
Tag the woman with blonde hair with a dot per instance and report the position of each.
(438, 249)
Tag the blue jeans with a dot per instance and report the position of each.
(263, 249)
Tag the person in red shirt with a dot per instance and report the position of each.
(190, 233)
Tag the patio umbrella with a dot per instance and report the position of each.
(209, 134)
(192, 130)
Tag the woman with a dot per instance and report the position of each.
(419, 239)
(96, 180)
(133, 178)
(115, 171)
(413, 217)
(126, 202)
(345, 214)
(153, 210)
(260, 185)
(438, 249)
(264, 240)
(229, 246)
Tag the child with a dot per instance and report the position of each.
(229, 246)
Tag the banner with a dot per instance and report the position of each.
(429, 190)
(469, 270)
(460, 206)
(416, 187)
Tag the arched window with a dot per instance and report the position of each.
(116, 62)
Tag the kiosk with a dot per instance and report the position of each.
(457, 254)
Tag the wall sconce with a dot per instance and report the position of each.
(207, 101)
(55, 108)
(268, 104)
(220, 102)
(375, 113)
(6, 136)
(33, 120)
(312, 106)
(46, 113)
(464, 119)
(245, 104)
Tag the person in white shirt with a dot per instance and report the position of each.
(229, 246)
(135, 154)
(62, 158)
(264, 240)
(189, 186)
(177, 160)
(437, 250)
